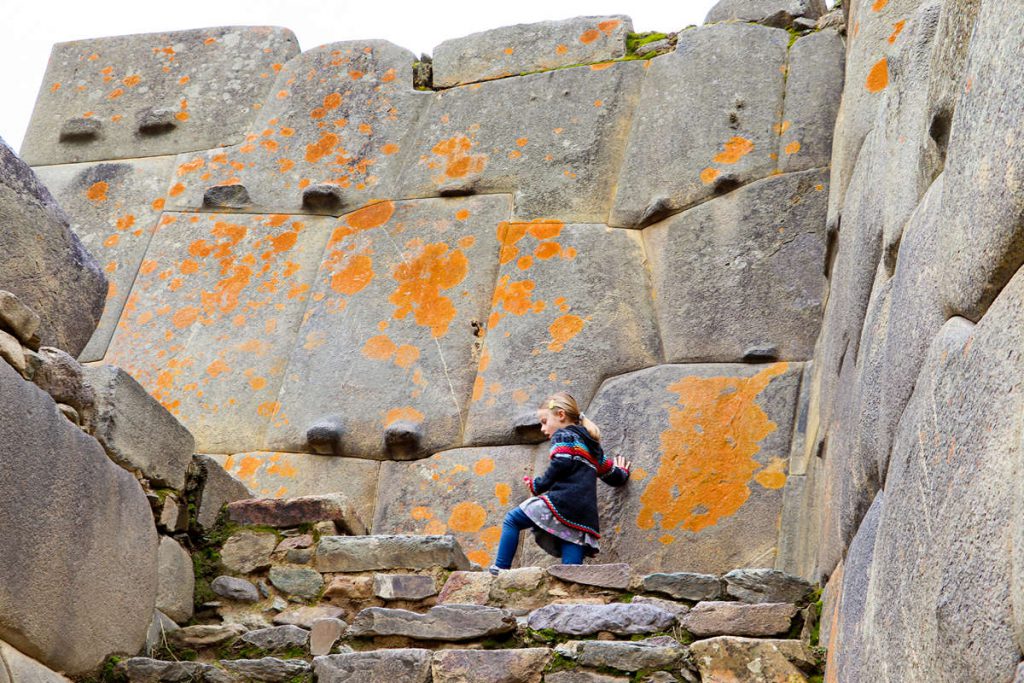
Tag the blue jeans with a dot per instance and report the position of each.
(515, 521)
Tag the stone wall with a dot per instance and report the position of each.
(323, 260)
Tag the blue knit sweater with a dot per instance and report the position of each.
(569, 485)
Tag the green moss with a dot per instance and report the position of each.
(634, 41)
(107, 673)
(546, 635)
(625, 597)
(560, 662)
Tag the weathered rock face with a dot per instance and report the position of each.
(17, 667)
(752, 661)
(780, 13)
(150, 94)
(44, 263)
(77, 531)
(175, 580)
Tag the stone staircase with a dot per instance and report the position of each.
(293, 591)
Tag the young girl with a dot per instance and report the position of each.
(563, 508)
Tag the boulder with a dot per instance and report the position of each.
(282, 513)
(114, 208)
(705, 121)
(218, 489)
(572, 306)
(766, 239)
(443, 623)
(324, 634)
(522, 48)
(553, 140)
(269, 669)
(617, 576)
(778, 13)
(153, 93)
(233, 588)
(77, 531)
(375, 666)
(814, 87)
(44, 263)
(685, 585)
(17, 318)
(246, 552)
(136, 431)
(403, 586)
(277, 638)
(738, 619)
(619, 618)
(297, 581)
(16, 667)
(766, 585)
(176, 580)
(490, 666)
(368, 553)
(225, 347)
(660, 652)
(61, 376)
(746, 660)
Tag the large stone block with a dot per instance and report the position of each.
(212, 316)
(137, 432)
(77, 532)
(369, 553)
(738, 619)
(779, 13)
(651, 653)
(176, 580)
(464, 492)
(44, 263)
(328, 140)
(375, 666)
(218, 488)
(514, 50)
(154, 93)
(983, 239)
(296, 511)
(554, 139)
(709, 445)
(282, 475)
(949, 57)
(623, 619)
(767, 240)
(17, 668)
(946, 543)
(572, 306)
(443, 622)
(707, 121)
(402, 293)
(814, 86)
(114, 209)
(497, 666)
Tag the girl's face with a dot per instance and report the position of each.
(551, 420)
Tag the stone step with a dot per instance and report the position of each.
(440, 623)
(371, 553)
(291, 512)
(622, 619)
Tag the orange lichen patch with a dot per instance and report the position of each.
(462, 214)
(372, 216)
(503, 492)
(285, 165)
(117, 92)
(321, 148)
(379, 347)
(708, 175)
(217, 368)
(490, 536)
(773, 476)
(176, 190)
(733, 150)
(467, 517)
(561, 49)
(563, 329)
(355, 75)
(781, 128)
(481, 557)
(547, 250)
(405, 413)
(458, 162)
(55, 87)
(666, 539)
(184, 80)
(878, 5)
(606, 27)
(420, 282)
(509, 50)
(707, 459)
(257, 383)
(131, 81)
(125, 222)
(544, 229)
(520, 396)
(184, 317)
(483, 466)
(897, 28)
(603, 65)
(112, 240)
(354, 277)
(268, 408)
(406, 355)
(147, 267)
(793, 147)
(478, 388)
(158, 204)
(389, 148)
(97, 192)
(589, 36)
(513, 297)
(598, 103)
(421, 513)
(190, 166)
(524, 262)
(878, 77)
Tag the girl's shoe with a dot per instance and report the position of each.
(495, 569)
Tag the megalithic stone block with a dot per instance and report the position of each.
(150, 94)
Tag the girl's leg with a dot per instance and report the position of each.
(572, 553)
(515, 521)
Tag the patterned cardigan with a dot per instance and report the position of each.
(569, 485)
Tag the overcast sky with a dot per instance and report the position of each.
(31, 28)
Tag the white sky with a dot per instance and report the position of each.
(31, 28)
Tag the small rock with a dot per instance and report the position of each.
(156, 635)
(299, 556)
(11, 351)
(466, 588)
(490, 666)
(219, 488)
(658, 47)
(70, 413)
(443, 622)
(248, 551)
(17, 318)
(617, 618)
(403, 586)
(403, 665)
(173, 515)
(176, 580)
(146, 670)
(685, 585)
(324, 634)
(307, 616)
(651, 653)
(833, 19)
(325, 529)
(603, 575)
(739, 619)
(277, 637)
(351, 587)
(766, 585)
(268, 669)
(235, 589)
(298, 581)
(295, 543)
(676, 608)
(279, 604)
(658, 677)
(290, 512)
(733, 659)
(205, 635)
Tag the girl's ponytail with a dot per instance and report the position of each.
(565, 402)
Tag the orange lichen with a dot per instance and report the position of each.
(379, 347)
(217, 368)
(707, 459)
(773, 476)
(503, 492)
(561, 49)
(97, 192)
(733, 150)
(563, 329)
(321, 148)
(406, 356)
(389, 149)
(354, 277)
(268, 408)
(793, 147)
(467, 517)
(897, 28)
(878, 77)
(371, 216)
(458, 162)
(708, 175)
(420, 282)
(878, 5)
(405, 413)
(483, 466)
(606, 27)
(589, 36)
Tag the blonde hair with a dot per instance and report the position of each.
(565, 402)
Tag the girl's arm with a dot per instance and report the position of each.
(619, 473)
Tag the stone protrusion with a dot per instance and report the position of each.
(685, 585)
(277, 638)
(156, 120)
(234, 196)
(233, 588)
(291, 512)
(323, 198)
(325, 436)
(17, 318)
(716, 618)
(402, 440)
(766, 585)
(617, 576)
(659, 652)
(403, 586)
(79, 129)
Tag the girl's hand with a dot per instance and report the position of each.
(528, 483)
(621, 462)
